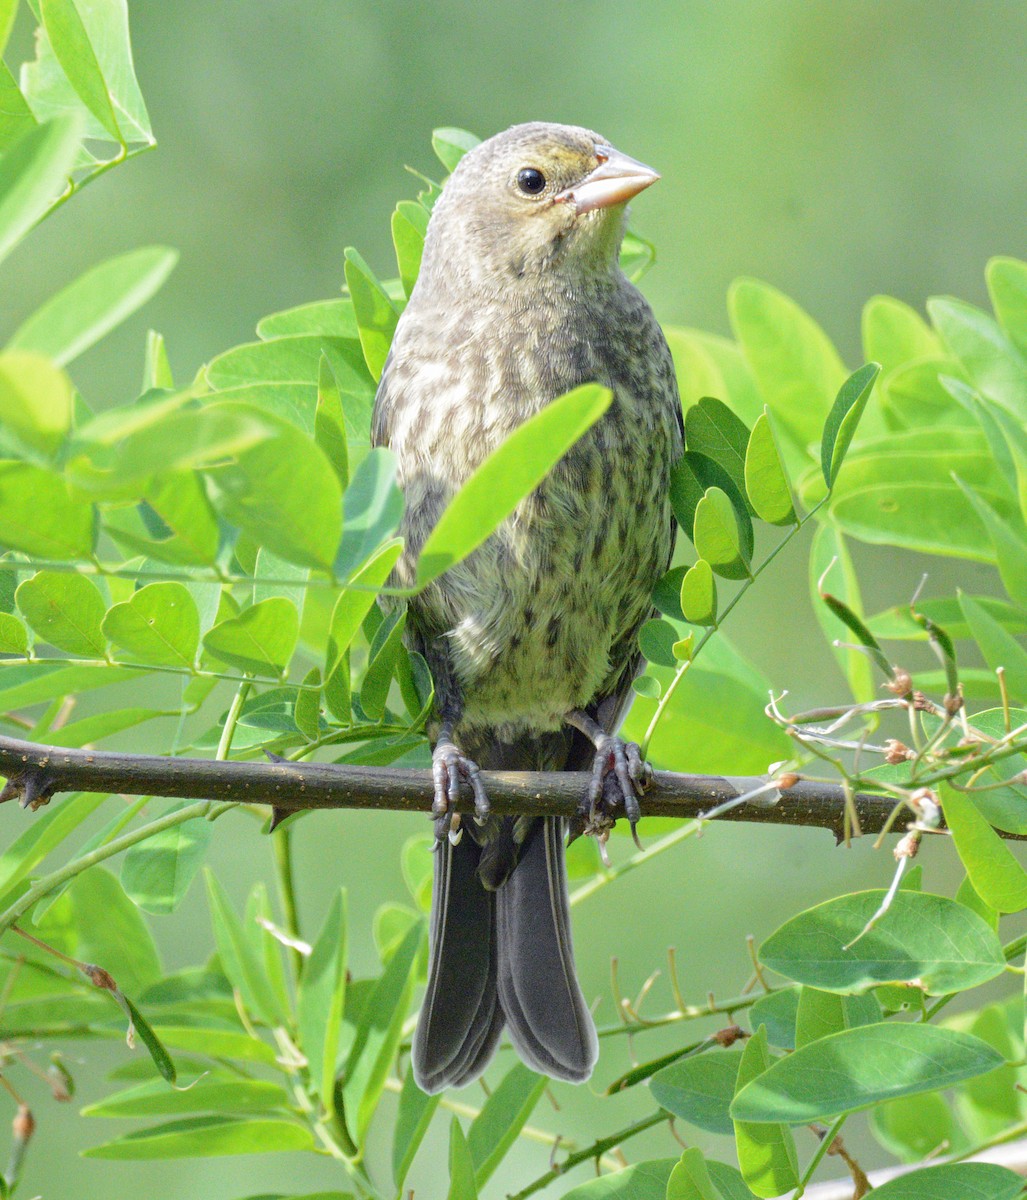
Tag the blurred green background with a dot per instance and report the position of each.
(835, 149)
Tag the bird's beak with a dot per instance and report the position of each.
(614, 181)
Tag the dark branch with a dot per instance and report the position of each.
(36, 772)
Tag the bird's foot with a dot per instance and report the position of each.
(619, 776)
(449, 769)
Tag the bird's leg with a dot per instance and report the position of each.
(619, 775)
(450, 768)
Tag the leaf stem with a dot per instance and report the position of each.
(47, 883)
(593, 1151)
(825, 1145)
(745, 586)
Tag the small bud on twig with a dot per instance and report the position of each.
(897, 752)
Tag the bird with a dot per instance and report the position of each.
(532, 640)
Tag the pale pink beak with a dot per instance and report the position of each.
(614, 181)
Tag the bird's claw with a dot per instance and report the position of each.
(619, 776)
(449, 769)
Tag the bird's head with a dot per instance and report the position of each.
(537, 203)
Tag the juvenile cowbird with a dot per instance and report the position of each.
(532, 639)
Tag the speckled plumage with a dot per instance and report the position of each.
(516, 304)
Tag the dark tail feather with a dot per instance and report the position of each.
(538, 989)
(460, 1019)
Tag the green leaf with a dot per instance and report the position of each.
(968, 1181)
(894, 333)
(690, 1179)
(217, 1043)
(699, 1089)
(922, 938)
(156, 368)
(409, 225)
(855, 625)
(711, 428)
(690, 478)
(65, 610)
(667, 593)
(238, 959)
(35, 400)
(921, 394)
(15, 115)
(1010, 546)
(211, 1093)
(699, 594)
(829, 546)
(51, 93)
(177, 439)
(641, 1181)
(709, 365)
(33, 170)
(717, 535)
(156, 873)
(896, 624)
(507, 476)
(989, 1104)
(901, 491)
(858, 1068)
(47, 830)
(142, 1028)
(796, 367)
(97, 302)
(207, 1137)
(321, 1000)
(715, 721)
(286, 495)
(995, 366)
(14, 638)
(100, 725)
(332, 318)
(330, 422)
(656, 640)
(1007, 285)
(111, 931)
(378, 1035)
(999, 648)
(374, 508)
(996, 874)
(913, 1127)
(766, 1153)
(180, 524)
(307, 711)
(376, 314)
(461, 1166)
(450, 145)
(416, 1110)
(967, 895)
(1003, 807)
(779, 1012)
(842, 420)
(260, 639)
(71, 46)
(637, 255)
(160, 625)
(822, 1013)
(384, 653)
(355, 602)
(765, 480)
(495, 1129)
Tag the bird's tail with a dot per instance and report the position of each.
(550, 1024)
(502, 955)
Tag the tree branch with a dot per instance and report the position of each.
(36, 772)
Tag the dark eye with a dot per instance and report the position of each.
(531, 181)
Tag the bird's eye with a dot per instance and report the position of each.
(531, 181)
